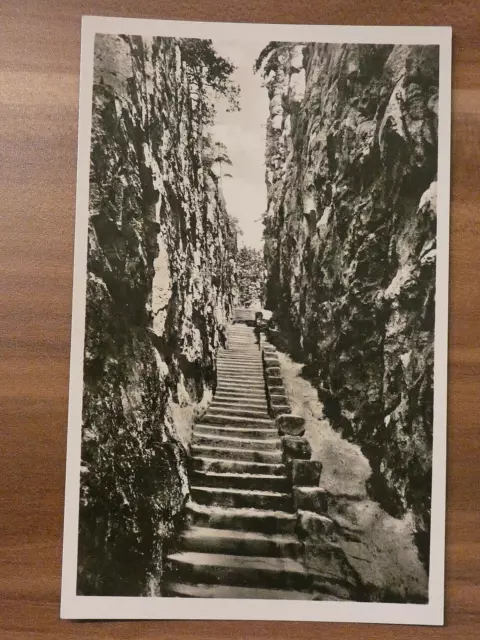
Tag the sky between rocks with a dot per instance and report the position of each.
(243, 133)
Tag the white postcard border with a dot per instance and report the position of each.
(96, 607)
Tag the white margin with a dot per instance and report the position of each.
(93, 607)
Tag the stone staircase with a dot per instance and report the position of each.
(241, 540)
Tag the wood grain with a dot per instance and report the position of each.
(39, 62)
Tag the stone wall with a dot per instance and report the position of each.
(350, 247)
(158, 297)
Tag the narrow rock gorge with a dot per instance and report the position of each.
(160, 271)
(308, 449)
(350, 247)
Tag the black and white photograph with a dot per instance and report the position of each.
(257, 414)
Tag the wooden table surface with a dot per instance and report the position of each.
(39, 63)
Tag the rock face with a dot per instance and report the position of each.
(158, 298)
(350, 246)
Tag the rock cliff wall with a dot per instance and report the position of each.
(350, 246)
(158, 297)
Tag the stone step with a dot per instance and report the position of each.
(239, 374)
(232, 453)
(239, 327)
(230, 353)
(216, 465)
(242, 378)
(241, 543)
(242, 344)
(224, 385)
(212, 440)
(208, 568)
(258, 482)
(248, 362)
(228, 399)
(241, 331)
(237, 431)
(227, 383)
(261, 520)
(253, 363)
(184, 590)
(235, 364)
(241, 367)
(240, 398)
(242, 411)
(244, 333)
(247, 382)
(246, 385)
(224, 391)
(242, 498)
(247, 341)
(275, 390)
(238, 331)
(222, 418)
(247, 348)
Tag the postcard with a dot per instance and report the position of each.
(257, 410)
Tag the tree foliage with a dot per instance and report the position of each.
(221, 153)
(215, 153)
(268, 58)
(210, 74)
(264, 55)
(236, 226)
(250, 276)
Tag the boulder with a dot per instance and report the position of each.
(273, 371)
(314, 525)
(278, 389)
(269, 348)
(270, 361)
(269, 351)
(273, 380)
(295, 447)
(325, 597)
(305, 473)
(278, 399)
(329, 590)
(310, 499)
(279, 409)
(291, 425)
(329, 566)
